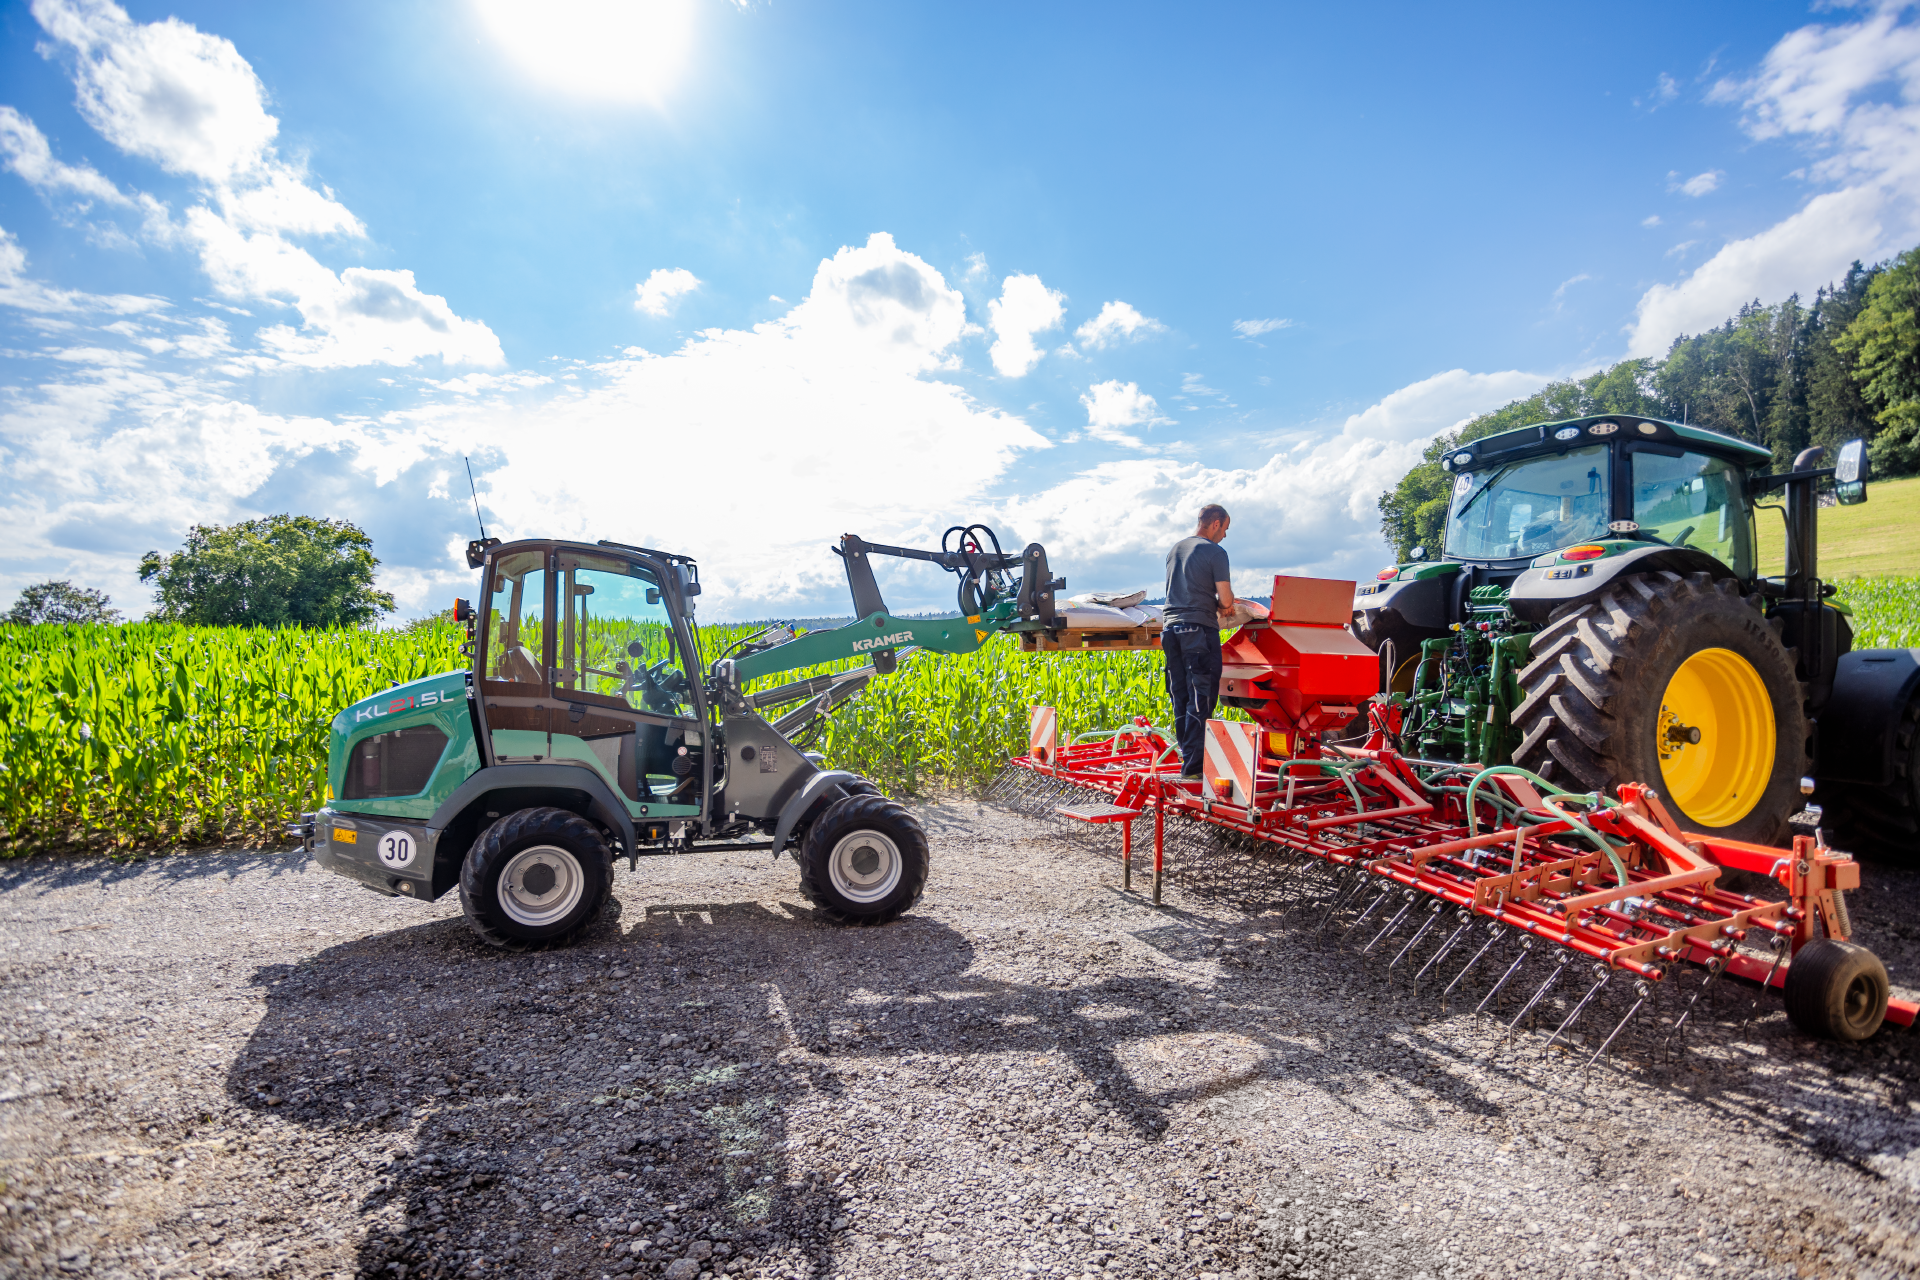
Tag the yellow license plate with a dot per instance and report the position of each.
(345, 835)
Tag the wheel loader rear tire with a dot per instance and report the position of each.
(1882, 823)
(1836, 990)
(1677, 682)
(537, 878)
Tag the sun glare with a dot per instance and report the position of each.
(625, 50)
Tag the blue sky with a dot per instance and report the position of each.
(737, 278)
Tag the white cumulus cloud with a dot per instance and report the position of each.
(1254, 328)
(1849, 95)
(1699, 184)
(189, 102)
(655, 295)
(28, 155)
(1025, 307)
(1117, 322)
(1113, 406)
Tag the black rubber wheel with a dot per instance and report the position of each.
(862, 787)
(1836, 990)
(1606, 702)
(1882, 823)
(536, 878)
(864, 860)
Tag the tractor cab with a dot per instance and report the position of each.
(1524, 494)
(586, 655)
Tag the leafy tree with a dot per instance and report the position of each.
(279, 571)
(1884, 343)
(1836, 409)
(61, 602)
(1414, 512)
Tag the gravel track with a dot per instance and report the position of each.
(237, 1064)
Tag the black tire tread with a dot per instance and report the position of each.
(1882, 823)
(850, 814)
(1816, 979)
(1589, 656)
(538, 825)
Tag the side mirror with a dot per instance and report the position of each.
(653, 595)
(1418, 553)
(1850, 474)
(462, 611)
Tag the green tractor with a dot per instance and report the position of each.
(1598, 617)
(587, 726)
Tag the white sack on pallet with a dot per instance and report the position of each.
(1146, 615)
(1098, 617)
(1244, 611)
(1111, 599)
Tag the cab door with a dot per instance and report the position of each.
(624, 684)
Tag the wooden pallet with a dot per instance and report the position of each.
(1088, 640)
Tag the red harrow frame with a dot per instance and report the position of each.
(1434, 849)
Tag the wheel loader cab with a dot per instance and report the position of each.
(584, 658)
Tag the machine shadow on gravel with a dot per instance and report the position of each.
(508, 1106)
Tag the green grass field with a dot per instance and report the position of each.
(1878, 538)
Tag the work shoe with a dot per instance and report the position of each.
(1193, 777)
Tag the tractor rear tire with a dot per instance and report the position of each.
(1836, 990)
(535, 879)
(1619, 689)
(864, 861)
(1882, 823)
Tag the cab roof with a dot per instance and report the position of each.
(1602, 429)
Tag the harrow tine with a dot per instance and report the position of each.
(1353, 882)
(1433, 918)
(1493, 929)
(1715, 968)
(1526, 949)
(1606, 976)
(1385, 893)
(1466, 922)
(1643, 991)
(1779, 945)
(1560, 967)
(1392, 924)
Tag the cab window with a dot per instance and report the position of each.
(516, 632)
(1694, 500)
(616, 637)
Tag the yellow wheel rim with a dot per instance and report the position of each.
(1715, 737)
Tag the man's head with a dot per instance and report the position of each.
(1214, 522)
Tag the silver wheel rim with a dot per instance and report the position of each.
(864, 866)
(541, 885)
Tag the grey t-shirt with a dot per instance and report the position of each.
(1193, 566)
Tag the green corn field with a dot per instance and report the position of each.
(154, 735)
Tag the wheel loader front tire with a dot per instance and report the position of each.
(864, 860)
(536, 878)
(1677, 682)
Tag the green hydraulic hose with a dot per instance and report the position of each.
(1551, 793)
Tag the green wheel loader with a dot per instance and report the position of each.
(586, 727)
(1598, 616)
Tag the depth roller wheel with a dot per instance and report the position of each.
(1675, 681)
(1836, 990)
(535, 878)
(864, 860)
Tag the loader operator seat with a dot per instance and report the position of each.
(518, 664)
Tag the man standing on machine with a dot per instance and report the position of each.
(1199, 598)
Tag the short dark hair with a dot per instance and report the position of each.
(1212, 513)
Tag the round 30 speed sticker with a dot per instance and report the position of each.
(396, 849)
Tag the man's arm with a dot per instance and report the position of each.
(1225, 591)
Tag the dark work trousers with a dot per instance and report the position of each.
(1193, 682)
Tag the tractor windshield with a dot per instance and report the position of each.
(1531, 507)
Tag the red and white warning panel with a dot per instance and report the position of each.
(1043, 735)
(1229, 756)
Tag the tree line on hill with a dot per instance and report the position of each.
(1845, 366)
(277, 571)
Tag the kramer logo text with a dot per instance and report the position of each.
(881, 642)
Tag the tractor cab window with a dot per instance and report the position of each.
(516, 627)
(1693, 500)
(616, 637)
(1531, 507)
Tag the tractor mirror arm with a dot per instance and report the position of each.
(1761, 484)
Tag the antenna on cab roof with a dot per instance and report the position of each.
(474, 489)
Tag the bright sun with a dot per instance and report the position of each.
(627, 50)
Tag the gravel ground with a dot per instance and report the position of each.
(237, 1064)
